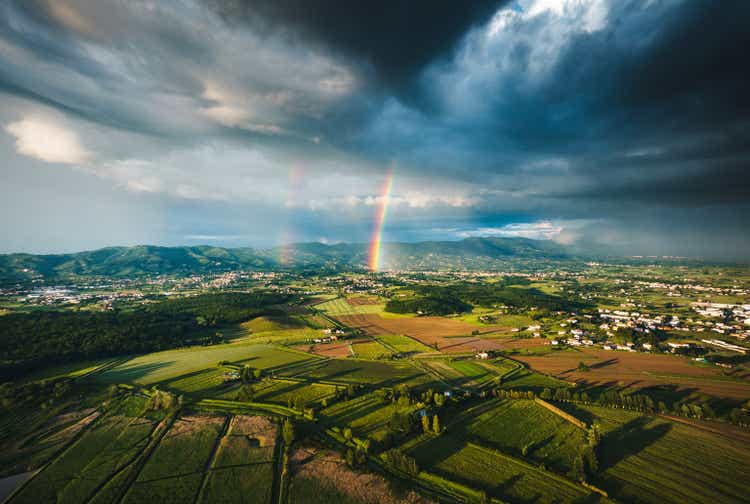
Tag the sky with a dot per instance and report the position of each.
(610, 123)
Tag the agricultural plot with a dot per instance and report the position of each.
(383, 374)
(450, 335)
(322, 477)
(367, 415)
(404, 344)
(29, 436)
(175, 470)
(370, 350)
(638, 370)
(648, 459)
(524, 379)
(473, 374)
(168, 365)
(504, 477)
(108, 444)
(282, 391)
(243, 468)
(338, 349)
(524, 429)
(342, 306)
(73, 370)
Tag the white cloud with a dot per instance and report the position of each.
(542, 230)
(48, 138)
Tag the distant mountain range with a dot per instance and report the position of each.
(471, 253)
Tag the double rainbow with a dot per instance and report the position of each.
(381, 211)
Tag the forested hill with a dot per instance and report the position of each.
(471, 253)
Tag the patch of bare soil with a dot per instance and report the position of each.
(329, 468)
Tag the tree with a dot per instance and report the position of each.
(583, 367)
(546, 394)
(247, 374)
(349, 457)
(347, 434)
(426, 423)
(287, 432)
(436, 424)
(257, 374)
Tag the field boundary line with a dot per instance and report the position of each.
(146, 455)
(210, 462)
(56, 456)
(562, 414)
(124, 467)
(550, 474)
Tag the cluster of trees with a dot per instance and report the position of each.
(430, 301)
(349, 392)
(585, 463)
(636, 402)
(459, 298)
(513, 394)
(249, 374)
(400, 461)
(45, 393)
(162, 400)
(431, 426)
(741, 416)
(31, 339)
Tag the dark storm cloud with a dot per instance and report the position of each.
(398, 39)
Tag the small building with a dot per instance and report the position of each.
(482, 355)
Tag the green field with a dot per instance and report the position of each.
(281, 391)
(404, 344)
(383, 374)
(175, 470)
(654, 460)
(371, 350)
(108, 444)
(243, 469)
(474, 373)
(367, 415)
(339, 306)
(170, 364)
(501, 476)
(515, 426)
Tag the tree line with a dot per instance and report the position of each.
(28, 340)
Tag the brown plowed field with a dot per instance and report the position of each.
(629, 369)
(338, 349)
(362, 301)
(443, 331)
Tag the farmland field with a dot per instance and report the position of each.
(517, 425)
(323, 478)
(370, 350)
(404, 344)
(656, 460)
(639, 370)
(161, 366)
(341, 306)
(281, 391)
(384, 374)
(451, 335)
(175, 470)
(243, 469)
(367, 415)
(107, 444)
(501, 476)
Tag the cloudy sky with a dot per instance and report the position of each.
(617, 122)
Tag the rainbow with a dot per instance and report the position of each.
(380, 213)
